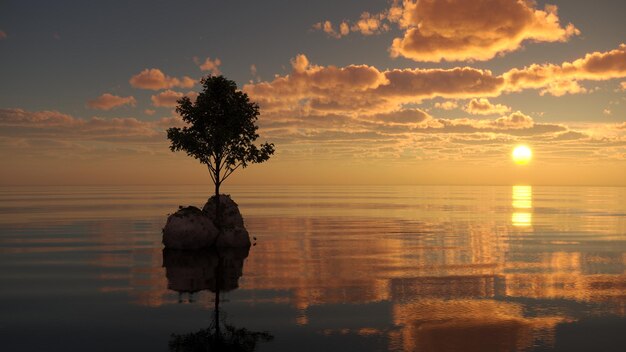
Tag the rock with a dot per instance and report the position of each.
(233, 237)
(189, 228)
(192, 228)
(231, 217)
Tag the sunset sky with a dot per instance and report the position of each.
(351, 92)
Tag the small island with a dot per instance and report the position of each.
(220, 133)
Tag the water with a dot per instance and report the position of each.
(404, 268)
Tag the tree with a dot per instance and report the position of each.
(221, 129)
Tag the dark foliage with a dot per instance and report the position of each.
(221, 129)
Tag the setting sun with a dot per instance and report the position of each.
(522, 155)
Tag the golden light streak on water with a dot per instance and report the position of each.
(522, 202)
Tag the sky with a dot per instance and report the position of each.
(351, 92)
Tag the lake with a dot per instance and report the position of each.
(358, 268)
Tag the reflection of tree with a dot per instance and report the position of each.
(231, 339)
(217, 271)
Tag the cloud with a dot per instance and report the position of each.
(3, 35)
(370, 24)
(484, 107)
(210, 65)
(362, 88)
(563, 79)
(404, 116)
(149, 112)
(53, 124)
(109, 101)
(447, 105)
(367, 24)
(169, 98)
(461, 30)
(344, 28)
(515, 121)
(328, 28)
(155, 79)
(607, 111)
(622, 86)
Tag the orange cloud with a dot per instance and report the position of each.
(563, 79)
(365, 89)
(458, 30)
(169, 98)
(405, 116)
(370, 24)
(447, 105)
(362, 88)
(109, 101)
(53, 124)
(210, 65)
(484, 107)
(344, 28)
(3, 35)
(328, 28)
(155, 79)
(516, 120)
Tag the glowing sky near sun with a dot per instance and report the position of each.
(399, 92)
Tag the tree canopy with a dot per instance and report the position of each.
(221, 129)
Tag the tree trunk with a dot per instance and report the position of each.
(218, 182)
(218, 214)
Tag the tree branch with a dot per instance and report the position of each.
(229, 172)
(211, 174)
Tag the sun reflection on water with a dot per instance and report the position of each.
(522, 198)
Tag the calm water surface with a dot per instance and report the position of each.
(359, 268)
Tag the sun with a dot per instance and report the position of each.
(522, 155)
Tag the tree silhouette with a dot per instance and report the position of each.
(221, 129)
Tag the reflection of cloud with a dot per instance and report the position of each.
(471, 325)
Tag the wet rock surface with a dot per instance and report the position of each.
(230, 215)
(191, 228)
